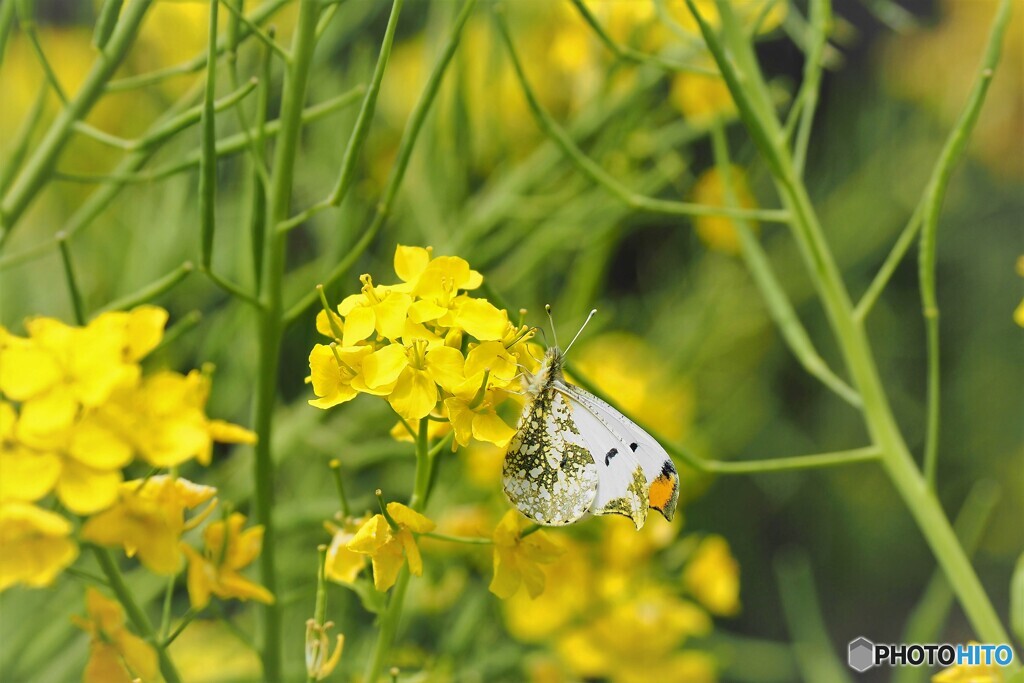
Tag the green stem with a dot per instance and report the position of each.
(72, 282)
(934, 196)
(135, 613)
(458, 539)
(37, 170)
(260, 16)
(393, 614)
(628, 54)
(589, 168)
(405, 148)
(208, 147)
(928, 618)
(779, 306)
(152, 290)
(366, 111)
(270, 320)
(885, 434)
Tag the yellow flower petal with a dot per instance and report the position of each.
(36, 545)
(85, 490)
(481, 319)
(384, 366)
(144, 330)
(487, 426)
(414, 395)
(27, 370)
(359, 324)
(425, 310)
(226, 432)
(27, 475)
(408, 518)
(445, 366)
(390, 315)
(491, 355)
(373, 534)
(139, 656)
(105, 666)
(410, 262)
(343, 565)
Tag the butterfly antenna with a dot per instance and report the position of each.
(551, 320)
(592, 313)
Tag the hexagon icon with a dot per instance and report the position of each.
(862, 655)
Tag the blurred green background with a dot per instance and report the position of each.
(484, 184)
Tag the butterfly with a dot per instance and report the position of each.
(574, 454)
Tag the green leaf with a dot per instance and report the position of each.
(372, 599)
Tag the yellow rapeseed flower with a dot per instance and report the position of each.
(343, 565)
(228, 550)
(149, 519)
(638, 640)
(28, 474)
(390, 548)
(713, 576)
(517, 558)
(36, 545)
(719, 232)
(116, 655)
(335, 374)
(414, 372)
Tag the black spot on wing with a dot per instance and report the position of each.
(611, 454)
(633, 446)
(668, 469)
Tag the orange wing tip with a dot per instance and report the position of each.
(664, 492)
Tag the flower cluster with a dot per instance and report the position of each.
(606, 613)
(427, 346)
(76, 410)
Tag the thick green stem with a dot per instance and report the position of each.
(135, 613)
(270, 319)
(739, 68)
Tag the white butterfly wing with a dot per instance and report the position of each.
(662, 480)
(622, 485)
(549, 473)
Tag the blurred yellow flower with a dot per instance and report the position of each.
(228, 550)
(638, 640)
(718, 232)
(517, 557)
(116, 655)
(390, 548)
(628, 368)
(163, 420)
(149, 519)
(209, 652)
(569, 591)
(920, 66)
(712, 576)
(28, 474)
(36, 545)
(701, 98)
(343, 565)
